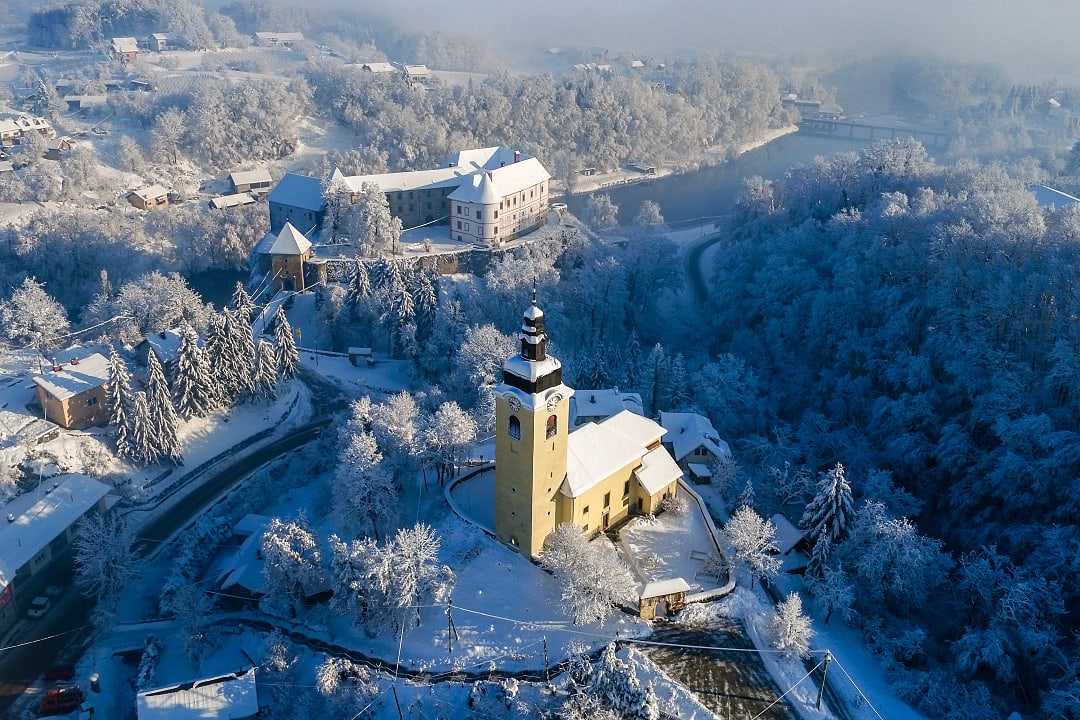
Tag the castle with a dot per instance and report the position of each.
(545, 475)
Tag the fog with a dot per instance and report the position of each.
(1035, 38)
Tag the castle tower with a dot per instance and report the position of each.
(532, 409)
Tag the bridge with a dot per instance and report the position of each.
(864, 132)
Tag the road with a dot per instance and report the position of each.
(695, 273)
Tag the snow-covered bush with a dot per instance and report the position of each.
(790, 628)
(592, 576)
(753, 540)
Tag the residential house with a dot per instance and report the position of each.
(159, 42)
(378, 68)
(85, 102)
(694, 443)
(14, 130)
(149, 197)
(72, 393)
(165, 344)
(233, 696)
(125, 49)
(788, 537)
(278, 39)
(224, 202)
(595, 406)
(546, 475)
(257, 180)
(58, 148)
(36, 536)
(417, 73)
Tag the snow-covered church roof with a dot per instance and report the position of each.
(596, 451)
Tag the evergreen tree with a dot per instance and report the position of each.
(217, 350)
(119, 395)
(359, 285)
(425, 300)
(243, 306)
(193, 387)
(287, 356)
(652, 378)
(143, 448)
(163, 420)
(747, 498)
(266, 371)
(830, 512)
(237, 366)
(679, 384)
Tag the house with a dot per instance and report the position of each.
(278, 39)
(788, 537)
(36, 537)
(224, 202)
(378, 67)
(247, 180)
(57, 149)
(694, 443)
(233, 696)
(125, 49)
(547, 475)
(283, 257)
(242, 572)
(637, 64)
(165, 344)
(13, 130)
(159, 42)
(85, 102)
(149, 197)
(72, 393)
(417, 73)
(488, 195)
(588, 406)
(662, 598)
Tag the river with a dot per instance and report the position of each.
(713, 190)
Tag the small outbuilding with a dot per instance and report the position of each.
(233, 696)
(694, 443)
(663, 598)
(257, 180)
(361, 356)
(159, 42)
(224, 202)
(72, 394)
(418, 73)
(378, 67)
(149, 197)
(125, 49)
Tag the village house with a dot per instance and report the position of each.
(72, 393)
(378, 67)
(418, 73)
(13, 130)
(165, 344)
(58, 148)
(694, 443)
(233, 696)
(257, 180)
(36, 537)
(224, 202)
(278, 39)
(488, 195)
(160, 42)
(149, 197)
(546, 475)
(85, 102)
(125, 49)
(595, 406)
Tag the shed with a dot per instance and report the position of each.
(662, 598)
(789, 537)
(224, 202)
(361, 354)
(246, 180)
(148, 197)
(160, 41)
(233, 696)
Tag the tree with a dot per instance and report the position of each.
(163, 420)
(482, 354)
(365, 494)
(593, 578)
(154, 303)
(239, 369)
(32, 317)
(448, 434)
(830, 512)
(679, 383)
(292, 562)
(601, 212)
(144, 449)
(193, 609)
(395, 424)
(266, 371)
(752, 539)
(130, 154)
(648, 217)
(359, 285)
(119, 398)
(790, 628)
(194, 389)
(747, 497)
(288, 357)
(167, 135)
(347, 687)
(243, 307)
(1072, 165)
(104, 560)
(832, 591)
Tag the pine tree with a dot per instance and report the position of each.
(288, 358)
(193, 388)
(831, 511)
(652, 378)
(238, 366)
(119, 394)
(243, 306)
(359, 285)
(679, 384)
(217, 351)
(163, 420)
(143, 448)
(266, 371)
(747, 498)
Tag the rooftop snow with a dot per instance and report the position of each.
(280, 36)
(665, 587)
(227, 201)
(689, 431)
(530, 369)
(658, 470)
(41, 515)
(603, 404)
(150, 192)
(302, 191)
(787, 535)
(250, 177)
(125, 44)
(378, 67)
(290, 241)
(74, 379)
(417, 70)
(408, 180)
(226, 697)
(166, 344)
(506, 180)
(595, 451)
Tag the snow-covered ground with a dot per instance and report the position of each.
(671, 545)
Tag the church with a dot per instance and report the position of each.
(545, 475)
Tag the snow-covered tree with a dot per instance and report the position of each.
(288, 357)
(167, 136)
(232, 355)
(753, 540)
(347, 687)
(242, 305)
(679, 383)
(613, 692)
(747, 496)
(364, 491)
(832, 591)
(648, 217)
(266, 371)
(791, 630)
(144, 448)
(192, 608)
(104, 560)
(601, 212)
(194, 390)
(419, 578)
(292, 562)
(30, 316)
(119, 395)
(359, 289)
(482, 354)
(395, 424)
(830, 512)
(447, 436)
(593, 578)
(163, 419)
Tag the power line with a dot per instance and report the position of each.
(797, 682)
(43, 639)
(857, 688)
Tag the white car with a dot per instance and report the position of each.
(38, 607)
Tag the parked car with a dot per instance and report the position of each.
(60, 701)
(38, 607)
(60, 672)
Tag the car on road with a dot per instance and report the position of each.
(38, 607)
(60, 701)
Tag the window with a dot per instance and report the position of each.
(459, 226)
(552, 426)
(513, 428)
(626, 488)
(607, 499)
(585, 528)
(497, 212)
(585, 510)
(477, 214)
(92, 401)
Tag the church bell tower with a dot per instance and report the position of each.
(532, 409)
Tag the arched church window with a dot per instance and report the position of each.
(552, 426)
(514, 428)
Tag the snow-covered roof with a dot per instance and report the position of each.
(378, 67)
(658, 470)
(530, 369)
(161, 36)
(7, 166)
(503, 181)
(290, 241)
(595, 451)
(280, 36)
(787, 535)
(417, 71)
(150, 192)
(23, 122)
(166, 344)
(700, 470)
(41, 515)
(1052, 197)
(688, 431)
(604, 403)
(408, 180)
(227, 201)
(125, 44)
(637, 64)
(250, 177)
(74, 377)
(488, 158)
(302, 191)
(533, 312)
(226, 697)
(661, 588)
(244, 569)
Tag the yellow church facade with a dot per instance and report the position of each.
(546, 475)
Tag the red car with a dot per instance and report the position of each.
(60, 672)
(60, 701)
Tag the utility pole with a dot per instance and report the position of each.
(547, 676)
(396, 703)
(824, 676)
